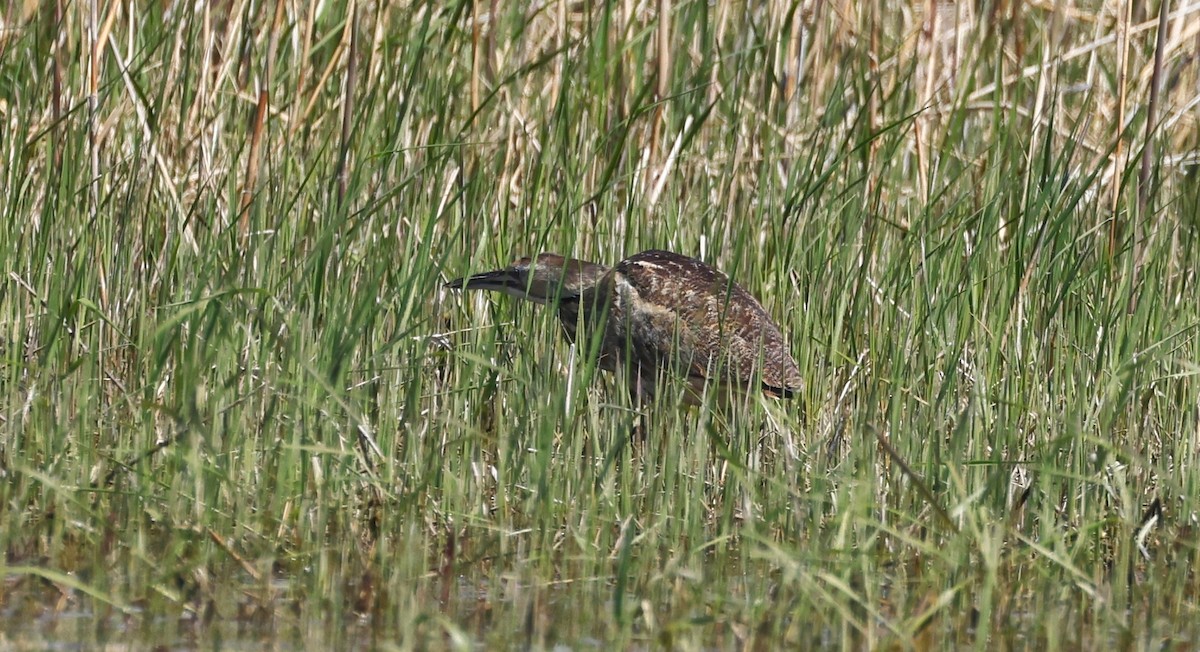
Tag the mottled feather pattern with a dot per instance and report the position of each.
(711, 323)
(657, 311)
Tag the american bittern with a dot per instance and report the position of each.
(657, 312)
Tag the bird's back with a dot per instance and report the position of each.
(683, 311)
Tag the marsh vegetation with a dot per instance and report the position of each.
(237, 403)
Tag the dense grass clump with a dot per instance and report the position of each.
(237, 403)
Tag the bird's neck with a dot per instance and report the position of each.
(588, 308)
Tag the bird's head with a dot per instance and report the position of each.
(541, 280)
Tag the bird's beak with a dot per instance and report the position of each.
(509, 281)
(499, 280)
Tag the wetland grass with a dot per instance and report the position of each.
(239, 406)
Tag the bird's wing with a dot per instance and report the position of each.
(707, 324)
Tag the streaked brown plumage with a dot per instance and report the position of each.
(655, 312)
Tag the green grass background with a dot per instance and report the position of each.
(238, 405)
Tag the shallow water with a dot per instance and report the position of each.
(481, 613)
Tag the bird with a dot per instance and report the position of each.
(654, 313)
